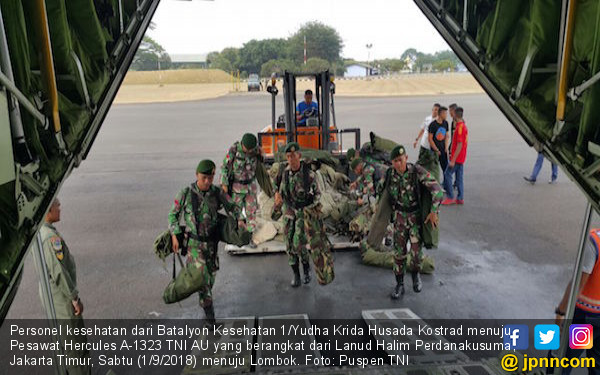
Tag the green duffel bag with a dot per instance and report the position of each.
(163, 245)
(373, 257)
(382, 144)
(231, 233)
(427, 264)
(192, 278)
(429, 234)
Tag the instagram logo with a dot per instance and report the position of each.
(580, 336)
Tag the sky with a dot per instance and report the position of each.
(200, 26)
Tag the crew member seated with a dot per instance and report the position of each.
(306, 109)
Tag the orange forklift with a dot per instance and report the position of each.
(319, 132)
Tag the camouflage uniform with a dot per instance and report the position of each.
(241, 168)
(201, 231)
(304, 230)
(404, 200)
(63, 285)
(365, 183)
(368, 183)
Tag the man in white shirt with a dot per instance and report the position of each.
(427, 158)
(423, 136)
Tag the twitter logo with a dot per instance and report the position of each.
(547, 337)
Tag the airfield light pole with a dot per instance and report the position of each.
(369, 45)
(304, 49)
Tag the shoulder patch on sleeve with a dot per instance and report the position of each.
(57, 245)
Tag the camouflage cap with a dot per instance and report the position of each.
(397, 151)
(355, 163)
(249, 141)
(350, 153)
(206, 166)
(292, 147)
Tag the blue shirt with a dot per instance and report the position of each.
(302, 106)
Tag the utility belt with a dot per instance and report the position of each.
(409, 210)
(300, 205)
(244, 182)
(201, 238)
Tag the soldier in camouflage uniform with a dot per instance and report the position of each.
(402, 185)
(296, 189)
(200, 228)
(368, 180)
(63, 286)
(368, 183)
(238, 178)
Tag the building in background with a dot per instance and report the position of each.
(360, 70)
(190, 61)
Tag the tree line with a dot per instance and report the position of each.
(267, 56)
(323, 43)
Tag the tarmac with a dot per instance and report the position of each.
(507, 253)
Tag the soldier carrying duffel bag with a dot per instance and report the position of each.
(195, 229)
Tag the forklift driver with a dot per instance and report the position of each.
(306, 109)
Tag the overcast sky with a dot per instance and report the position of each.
(199, 26)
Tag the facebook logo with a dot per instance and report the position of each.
(516, 336)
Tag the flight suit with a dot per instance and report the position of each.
(62, 275)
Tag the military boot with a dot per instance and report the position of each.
(306, 268)
(209, 314)
(399, 290)
(296, 281)
(416, 277)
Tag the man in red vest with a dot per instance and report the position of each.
(587, 308)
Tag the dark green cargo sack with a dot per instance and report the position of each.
(163, 246)
(192, 278)
(231, 233)
(429, 234)
(380, 220)
(382, 144)
(429, 160)
(373, 257)
(427, 264)
(264, 181)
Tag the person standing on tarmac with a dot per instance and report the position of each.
(297, 191)
(452, 109)
(438, 138)
(238, 178)
(62, 273)
(457, 161)
(199, 204)
(427, 158)
(401, 185)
